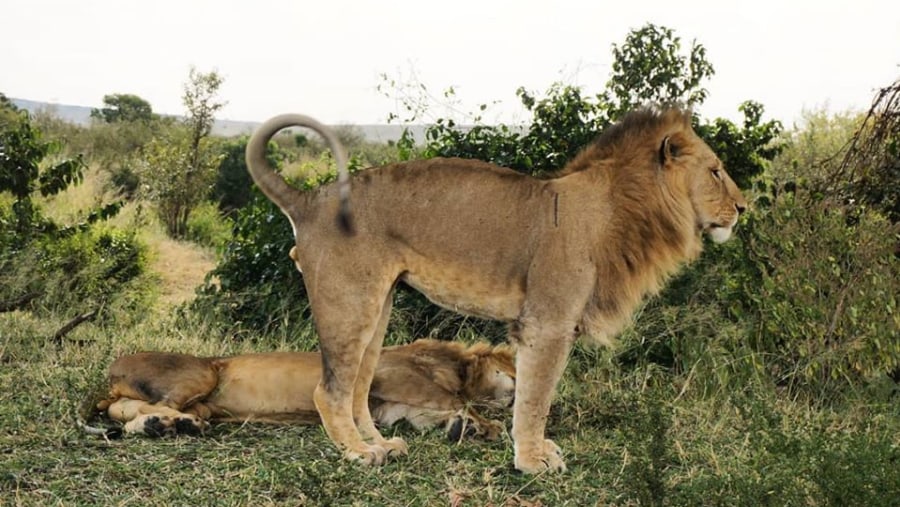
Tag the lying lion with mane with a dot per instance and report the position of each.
(555, 258)
(427, 383)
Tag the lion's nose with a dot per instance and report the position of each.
(741, 208)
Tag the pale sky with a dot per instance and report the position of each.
(324, 58)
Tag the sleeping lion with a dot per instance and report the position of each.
(427, 383)
(556, 258)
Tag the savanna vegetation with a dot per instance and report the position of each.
(765, 374)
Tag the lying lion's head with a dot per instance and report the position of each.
(490, 376)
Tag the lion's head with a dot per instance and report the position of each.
(691, 165)
(661, 161)
(490, 375)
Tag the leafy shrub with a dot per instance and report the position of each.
(54, 266)
(208, 227)
(255, 285)
(805, 297)
(124, 178)
(827, 301)
(177, 176)
(82, 271)
(232, 188)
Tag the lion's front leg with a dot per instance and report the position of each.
(539, 365)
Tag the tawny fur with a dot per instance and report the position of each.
(427, 383)
(555, 258)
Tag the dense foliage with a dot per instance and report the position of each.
(123, 107)
(70, 267)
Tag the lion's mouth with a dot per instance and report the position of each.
(718, 232)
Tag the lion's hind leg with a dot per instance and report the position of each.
(361, 411)
(347, 325)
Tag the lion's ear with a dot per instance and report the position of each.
(668, 150)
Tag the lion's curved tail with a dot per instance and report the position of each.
(273, 185)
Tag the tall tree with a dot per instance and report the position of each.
(123, 107)
(179, 169)
(201, 102)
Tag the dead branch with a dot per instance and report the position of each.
(15, 304)
(72, 324)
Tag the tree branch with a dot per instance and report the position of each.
(15, 304)
(72, 324)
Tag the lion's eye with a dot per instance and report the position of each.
(717, 174)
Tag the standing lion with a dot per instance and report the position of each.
(555, 258)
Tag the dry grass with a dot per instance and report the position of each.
(181, 267)
(72, 205)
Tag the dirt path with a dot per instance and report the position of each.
(181, 266)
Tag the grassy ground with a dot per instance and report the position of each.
(630, 438)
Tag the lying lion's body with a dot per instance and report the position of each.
(427, 382)
(553, 257)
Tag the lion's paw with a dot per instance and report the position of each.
(493, 429)
(540, 458)
(367, 454)
(190, 425)
(462, 426)
(395, 446)
(151, 425)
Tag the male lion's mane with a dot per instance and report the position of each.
(650, 234)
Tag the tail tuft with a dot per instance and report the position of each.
(345, 219)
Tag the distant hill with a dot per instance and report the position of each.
(81, 115)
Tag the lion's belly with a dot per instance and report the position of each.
(465, 292)
(260, 384)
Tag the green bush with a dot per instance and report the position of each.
(74, 267)
(805, 297)
(233, 184)
(79, 272)
(208, 227)
(255, 285)
(826, 304)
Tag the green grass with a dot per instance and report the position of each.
(638, 437)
